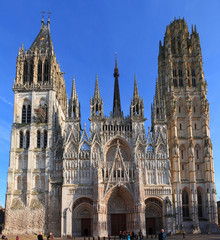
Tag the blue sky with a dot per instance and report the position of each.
(87, 33)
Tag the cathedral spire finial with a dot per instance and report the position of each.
(48, 19)
(73, 93)
(42, 19)
(97, 94)
(116, 100)
(116, 72)
(136, 93)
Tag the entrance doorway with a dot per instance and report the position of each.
(86, 227)
(118, 223)
(153, 215)
(150, 226)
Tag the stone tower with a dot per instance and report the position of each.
(35, 168)
(182, 87)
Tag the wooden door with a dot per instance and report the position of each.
(86, 227)
(118, 223)
(150, 226)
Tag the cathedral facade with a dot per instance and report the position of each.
(120, 176)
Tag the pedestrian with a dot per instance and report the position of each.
(140, 235)
(128, 236)
(120, 235)
(50, 236)
(17, 238)
(40, 236)
(162, 235)
(132, 235)
(184, 234)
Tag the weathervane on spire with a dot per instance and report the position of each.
(48, 19)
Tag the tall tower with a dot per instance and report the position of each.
(182, 86)
(35, 168)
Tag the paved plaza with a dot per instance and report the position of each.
(187, 237)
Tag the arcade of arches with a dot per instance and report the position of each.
(121, 215)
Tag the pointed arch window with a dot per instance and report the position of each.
(39, 71)
(199, 199)
(45, 138)
(24, 111)
(46, 112)
(25, 72)
(174, 78)
(19, 183)
(28, 113)
(46, 71)
(38, 138)
(185, 204)
(37, 182)
(24, 183)
(31, 71)
(21, 139)
(193, 78)
(180, 78)
(27, 139)
(42, 179)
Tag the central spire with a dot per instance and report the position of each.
(116, 100)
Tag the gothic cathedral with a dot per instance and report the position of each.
(120, 176)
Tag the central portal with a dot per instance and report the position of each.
(118, 223)
(120, 211)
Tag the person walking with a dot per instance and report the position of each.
(17, 238)
(162, 235)
(50, 236)
(40, 236)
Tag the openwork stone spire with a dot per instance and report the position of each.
(96, 103)
(116, 101)
(74, 105)
(137, 104)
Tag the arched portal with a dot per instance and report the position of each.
(120, 211)
(153, 214)
(82, 217)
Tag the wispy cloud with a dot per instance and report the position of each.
(6, 101)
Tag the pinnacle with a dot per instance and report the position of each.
(96, 94)
(136, 93)
(73, 93)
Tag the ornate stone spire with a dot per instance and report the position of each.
(96, 94)
(74, 106)
(116, 101)
(73, 93)
(96, 103)
(137, 104)
(136, 93)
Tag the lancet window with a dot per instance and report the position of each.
(180, 78)
(199, 199)
(31, 71)
(21, 139)
(185, 204)
(39, 71)
(45, 138)
(38, 138)
(25, 72)
(46, 71)
(193, 78)
(19, 183)
(27, 139)
(26, 114)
